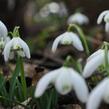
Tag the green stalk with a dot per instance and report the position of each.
(106, 56)
(82, 36)
(52, 97)
(23, 81)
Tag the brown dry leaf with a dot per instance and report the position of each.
(40, 71)
(32, 71)
(18, 107)
(76, 106)
(29, 69)
(23, 103)
(1, 107)
(73, 106)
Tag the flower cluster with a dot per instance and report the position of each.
(16, 45)
(99, 93)
(66, 79)
(12, 46)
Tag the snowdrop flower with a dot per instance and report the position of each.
(68, 38)
(100, 93)
(53, 8)
(78, 18)
(93, 62)
(104, 16)
(19, 46)
(3, 36)
(64, 79)
(3, 30)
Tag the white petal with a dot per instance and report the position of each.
(6, 51)
(97, 94)
(63, 81)
(76, 41)
(79, 86)
(107, 27)
(25, 47)
(100, 17)
(54, 7)
(7, 39)
(106, 94)
(44, 82)
(3, 30)
(95, 54)
(93, 64)
(56, 42)
(78, 18)
(106, 18)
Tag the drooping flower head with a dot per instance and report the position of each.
(3, 36)
(16, 46)
(99, 93)
(66, 39)
(64, 79)
(104, 16)
(53, 8)
(93, 62)
(78, 18)
(3, 30)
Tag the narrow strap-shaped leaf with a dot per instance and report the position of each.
(14, 80)
(23, 81)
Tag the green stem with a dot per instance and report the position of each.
(23, 81)
(82, 36)
(67, 61)
(52, 97)
(106, 56)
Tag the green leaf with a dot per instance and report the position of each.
(13, 80)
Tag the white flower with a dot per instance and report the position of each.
(78, 18)
(104, 16)
(65, 79)
(18, 45)
(53, 8)
(49, 8)
(3, 42)
(93, 62)
(3, 30)
(68, 38)
(3, 35)
(100, 93)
